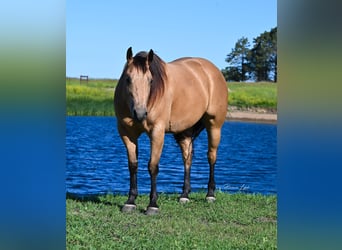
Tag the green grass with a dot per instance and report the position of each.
(95, 97)
(258, 95)
(92, 98)
(234, 221)
(97, 83)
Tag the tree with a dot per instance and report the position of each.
(258, 63)
(238, 60)
(231, 74)
(273, 54)
(263, 56)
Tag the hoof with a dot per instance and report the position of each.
(210, 198)
(183, 200)
(152, 211)
(128, 208)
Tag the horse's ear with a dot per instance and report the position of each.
(150, 56)
(129, 54)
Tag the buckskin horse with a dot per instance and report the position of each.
(181, 97)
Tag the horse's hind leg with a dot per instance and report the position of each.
(185, 143)
(214, 135)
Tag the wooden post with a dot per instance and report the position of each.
(83, 78)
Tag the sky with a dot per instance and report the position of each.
(98, 33)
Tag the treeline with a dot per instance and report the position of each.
(257, 62)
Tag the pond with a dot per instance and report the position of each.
(96, 160)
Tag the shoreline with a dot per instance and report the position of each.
(242, 116)
(255, 115)
(252, 115)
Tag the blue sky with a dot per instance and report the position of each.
(98, 33)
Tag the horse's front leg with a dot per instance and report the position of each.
(157, 142)
(131, 144)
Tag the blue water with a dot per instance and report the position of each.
(97, 164)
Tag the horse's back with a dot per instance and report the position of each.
(200, 79)
(203, 71)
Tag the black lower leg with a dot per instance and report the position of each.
(186, 186)
(133, 190)
(211, 183)
(153, 193)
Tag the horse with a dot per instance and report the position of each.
(182, 97)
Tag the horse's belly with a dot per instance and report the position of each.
(187, 109)
(184, 120)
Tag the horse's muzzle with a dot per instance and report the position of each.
(139, 114)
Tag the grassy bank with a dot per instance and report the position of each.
(95, 83)
(89, 101)
(234, 221)
(253, 95)
(95, 97)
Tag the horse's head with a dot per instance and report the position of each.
(138, 80)
(143, 80)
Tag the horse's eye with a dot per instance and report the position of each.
(151, 81)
